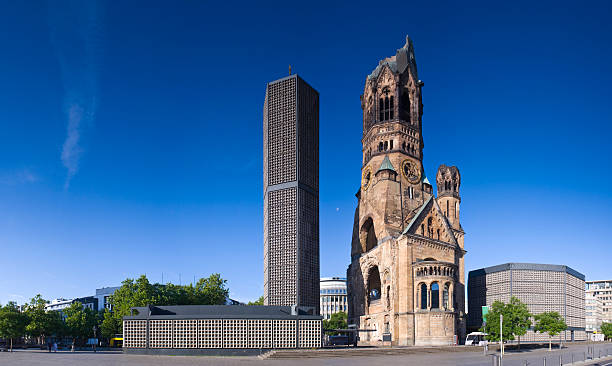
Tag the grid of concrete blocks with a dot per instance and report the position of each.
(543, 287)
(291, 193)
(255, 328)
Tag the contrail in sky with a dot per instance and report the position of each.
(75, 36)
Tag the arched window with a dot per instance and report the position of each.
(380, 146)
(423, 296)
(404, 146)
(405, 106)
(445, 297)
(430, 227)
(386, 108)
(373, 285)
(390, 144)
(435, 296)
(438, 234)
(423, 229)
(386, 145)
(367, 235)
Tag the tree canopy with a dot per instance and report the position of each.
(551, 323)
(257, 302)
(140, 292)
(12, 322)
(517, 319)
(79, 321)
(606, 329)
(336, 321)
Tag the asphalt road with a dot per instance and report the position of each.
(64, 358)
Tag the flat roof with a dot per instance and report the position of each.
(599, 281)
(218, 312)
(527, 266)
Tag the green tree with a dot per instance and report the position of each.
(140, 292)
(211, 291)
(55, 325)
(517, 320)
(518, 317)
(110, 325)
(336, 321)
(39, 322)
(79, 322)
(551, 323)
(256, 302)
(606, 329)
(12, 322)
(492, 326)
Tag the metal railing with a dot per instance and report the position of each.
(570, 357)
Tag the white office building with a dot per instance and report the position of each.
(332, 296)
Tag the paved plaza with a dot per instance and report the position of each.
(428, 357)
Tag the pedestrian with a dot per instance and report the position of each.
(49, 346)
(54, 346)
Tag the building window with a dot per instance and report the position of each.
(374, 285)
(386, 108)
(435, 296)
(445, 297)
(423, 296)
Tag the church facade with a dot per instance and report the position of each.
(406, 279)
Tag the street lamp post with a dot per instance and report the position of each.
(501, 334)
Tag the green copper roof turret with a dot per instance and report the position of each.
(386, 165)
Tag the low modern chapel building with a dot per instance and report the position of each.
(542, 287)
(219, 329)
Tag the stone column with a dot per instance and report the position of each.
(451, 296)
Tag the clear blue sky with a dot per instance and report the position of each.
(131, 132)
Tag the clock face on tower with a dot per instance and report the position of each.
(366, 178)
(410, 171)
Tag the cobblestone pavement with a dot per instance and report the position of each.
(533, 358)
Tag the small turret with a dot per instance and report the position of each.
(448, 180)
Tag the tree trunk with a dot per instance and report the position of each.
(519, 342)
(11, 344)
(549, 343)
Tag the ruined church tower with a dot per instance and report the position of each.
(406, 276)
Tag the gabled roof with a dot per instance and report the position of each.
(417, 215)
(430, 204)
(386, 165)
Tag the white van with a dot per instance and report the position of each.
(476, 339)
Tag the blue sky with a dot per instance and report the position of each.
(131, 132)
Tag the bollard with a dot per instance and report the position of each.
(560, 364)
(584, 356)
(572, 358)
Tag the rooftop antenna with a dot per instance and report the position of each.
(289, 69)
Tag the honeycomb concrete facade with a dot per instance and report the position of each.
(542, 287)
(406, 277)
(195, 329)
(291, 194)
